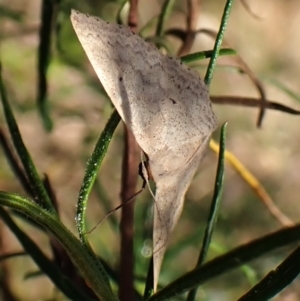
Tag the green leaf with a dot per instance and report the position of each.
(91, 172)
(230, 260)
(149, 281)
(46, 265)
(166, 9)
(87, 262)
(214, 209)
(14, 163)
(276, 280)
(40, 193)
(118, 17)
(218, 42)
(47, 15)
(189, 58)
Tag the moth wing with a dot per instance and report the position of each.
(130, 71)
(163, 103)
(159, 99)
(169, 201)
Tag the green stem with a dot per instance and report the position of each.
(214, 209)
(189, 58)
(167, 7)
(218, 43)
(89, 265)
(55, 274)
(40, 194)
(91, 172)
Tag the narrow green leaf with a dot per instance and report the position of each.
(230, 260)
(40, 194)
(44, 49)
(149, 281)
(46, 265)
(19, 172)
(166, 9)
(205, 54)
(218, 43)
(87, 262)
(118, 18)
(14, 163)
(276, 280)
(91, 172)
(214, 209)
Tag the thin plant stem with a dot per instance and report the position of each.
(166, 8)
(128, 187)
(192, 17)
(90, 176)
(214, 209)
(40, 194)
(218, 43)
(44, 56)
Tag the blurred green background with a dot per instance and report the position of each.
(268, 43)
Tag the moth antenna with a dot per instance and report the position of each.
(121, 205)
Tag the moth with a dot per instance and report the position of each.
(164, 104)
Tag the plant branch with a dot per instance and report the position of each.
(192, 17)
(129, 181)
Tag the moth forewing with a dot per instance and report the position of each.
(163, 103)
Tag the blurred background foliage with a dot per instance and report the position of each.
(266, 36)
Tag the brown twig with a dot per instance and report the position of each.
(133, 15)
(252, 102)
(242, 64)
(249, 10)
(246, 69)
(191, 20)
(129, 181)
